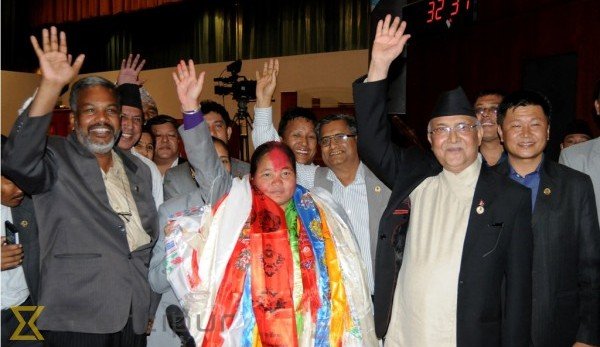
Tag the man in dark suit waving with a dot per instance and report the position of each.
(469, 227)
(566, 258)
(96, 216)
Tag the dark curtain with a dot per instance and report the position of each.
(215, 31)
(61, 11)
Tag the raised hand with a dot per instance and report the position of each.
(55, 63)
(188, 85)
(130, 70)
(266, 83)
(387, 46)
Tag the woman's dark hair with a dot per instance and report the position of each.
(267, 148)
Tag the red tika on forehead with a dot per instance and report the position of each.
(278, 159)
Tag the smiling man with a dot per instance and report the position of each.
(453, 230)
(96, 216)
(132, 118)
(362, 195)
(566, 261)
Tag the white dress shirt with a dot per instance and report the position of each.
(14, 286)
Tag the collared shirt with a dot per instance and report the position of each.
(14, 286)
(157, 179)
(531, 181)
(122, 202)
(353, 198)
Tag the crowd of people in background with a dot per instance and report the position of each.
(124, 240)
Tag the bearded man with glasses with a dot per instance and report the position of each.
(453, 230)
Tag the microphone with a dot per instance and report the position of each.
(176, 320)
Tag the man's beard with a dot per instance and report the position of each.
(94, 147)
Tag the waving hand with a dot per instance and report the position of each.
(188, 85)
(387, 46)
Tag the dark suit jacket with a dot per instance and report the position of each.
(566, 261)
(497, 244)
(23, 217)
(90, 281)
(179, 180)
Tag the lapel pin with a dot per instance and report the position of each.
(547, 191)
(137, 189)
(480, 209)
(24, 223)
(377, 189)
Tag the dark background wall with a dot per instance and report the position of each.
(553, 45)
(546, 44)
(207, 31)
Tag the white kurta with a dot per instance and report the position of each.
(424, 309)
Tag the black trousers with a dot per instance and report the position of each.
(123, 338)
(10, 323)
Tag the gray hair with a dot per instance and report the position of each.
(350, 121)
(88, 82)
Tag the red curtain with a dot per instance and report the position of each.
(60, 11)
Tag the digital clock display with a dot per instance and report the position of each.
(438, 16)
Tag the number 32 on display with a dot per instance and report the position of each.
(437, 6)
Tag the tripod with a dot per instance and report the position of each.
(243, 119)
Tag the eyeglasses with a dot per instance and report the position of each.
(337, 138)
(493, 110)
(460, 128)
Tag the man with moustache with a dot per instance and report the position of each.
(352, 184)
(166, 148)
(566, 261)
(96, 216)
(132, 118)
(453, 230)
(181, 179)
(486, 110)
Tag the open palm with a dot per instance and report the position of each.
(130, 70)
(188, 85)
(266, 83)
(55, 64)
(389, 39)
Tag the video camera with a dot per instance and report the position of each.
(239, 86)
